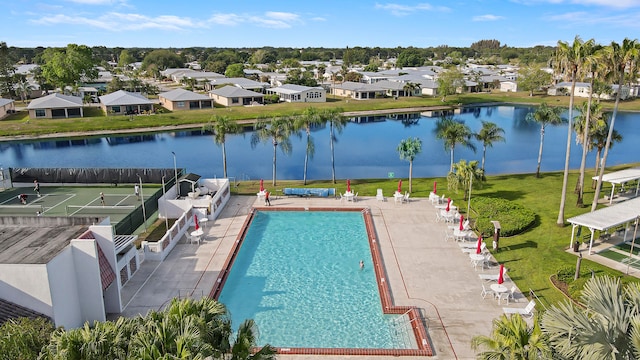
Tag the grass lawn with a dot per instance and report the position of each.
(531, 257)
(94, 120)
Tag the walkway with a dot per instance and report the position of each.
(423, 269)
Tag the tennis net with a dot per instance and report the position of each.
(98, 210)
(29, 209)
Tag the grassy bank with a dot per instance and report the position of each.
(19, 124)
(531, 257)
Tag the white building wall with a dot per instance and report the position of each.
(63, 285)
(104, 237)
(27, 285)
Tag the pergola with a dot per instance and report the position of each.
(607, 218)
(620, 178)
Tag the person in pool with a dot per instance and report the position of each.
(361, 264)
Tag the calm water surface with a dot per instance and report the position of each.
(363, 150)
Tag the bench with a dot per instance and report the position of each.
(307, 192)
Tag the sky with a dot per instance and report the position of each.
(321, 23)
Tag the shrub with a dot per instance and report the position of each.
(513, 217)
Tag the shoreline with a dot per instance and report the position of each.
(154, 129)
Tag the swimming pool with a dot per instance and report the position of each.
(297, 275)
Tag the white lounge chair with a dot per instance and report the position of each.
(405, 199)
(379, 195)
(527, 312)
(355, 197)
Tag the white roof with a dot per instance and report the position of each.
(56, 101)
(4, 102)
(612, 216)
(232, 91)
(293, 89)
(122, 97)
(622, 176)
(182, 95)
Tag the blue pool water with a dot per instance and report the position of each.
(297, 275)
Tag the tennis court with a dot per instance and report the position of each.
(119, 201)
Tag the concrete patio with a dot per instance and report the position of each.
(423, 269)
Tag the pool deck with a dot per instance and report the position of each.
(422, 268)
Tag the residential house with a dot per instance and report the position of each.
(299, 93)
(398, 89)
(125, 103)
(235, 96)
(181, 99)
(7, 106)
(56, 106)
(582, 89)
(358, 91)
(242, 83)
(70, 269)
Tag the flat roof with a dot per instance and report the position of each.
(622, 176)
(37, 241)
(609, 217)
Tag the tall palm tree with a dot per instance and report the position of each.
(408, 149)
(599, 138)
(591, 121)
(590, 68)
(489, 134)
(545, 115)
(454, 132)
(409, 88)
(222, 127)
(277, 130)
(570, 58)
(617, 57)
(23, 88)
(337, 122)
(609, 327)
(512, 339)
(309, 119)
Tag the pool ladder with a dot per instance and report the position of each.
(402, 331)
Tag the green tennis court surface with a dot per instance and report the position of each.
(75, 201)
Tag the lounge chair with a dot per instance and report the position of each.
(527, 312)
(379, 195)
(355, 197)
(405, 199)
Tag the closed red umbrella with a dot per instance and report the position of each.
(461, 221)
(261, 185)
(348, 185)
(195, 221)
(501, 275)
(434, 187)
(479, 248)
(400, 186)
(448, 204)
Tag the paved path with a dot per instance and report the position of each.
(424, 270)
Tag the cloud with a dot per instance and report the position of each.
(115, 21)
(318, 18)
(99, 2)
(270, 19)
(582, 18)
(487, 17)
(403, 10)
(617, 4)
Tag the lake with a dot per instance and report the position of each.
(365, 149)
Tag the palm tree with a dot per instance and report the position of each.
(23, 88)
(489, 134)
(454, 132)
(512, 339)
(408, 150)
(337, 122)
(409, 88)
(245, 340)
(221, 127)
(617, 58)
(545, 115)
(609, 327)
(277, 130)
(309, 119)
(570, 58)
(464, 176)
(599, 138)
(591, 67)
